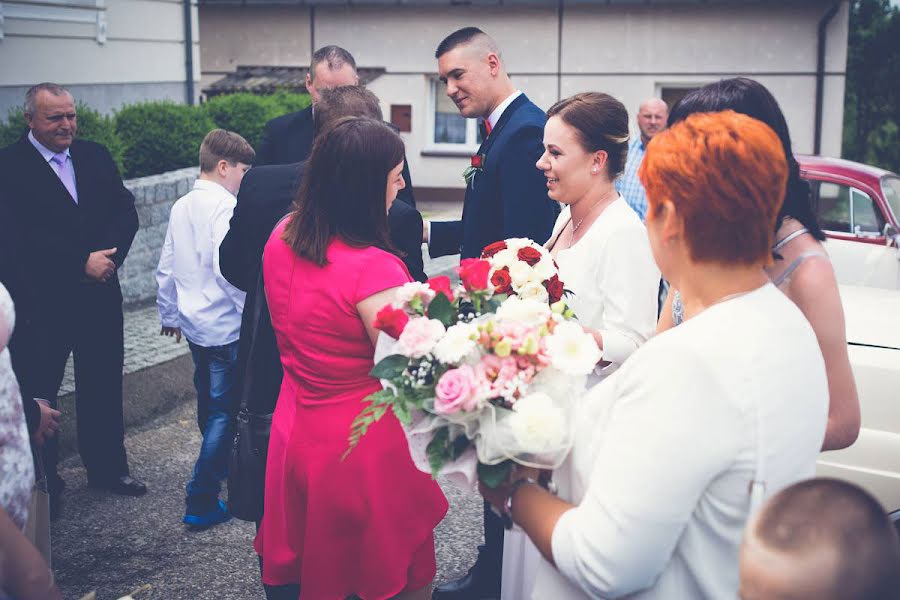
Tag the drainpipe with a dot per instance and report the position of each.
(188, 52)
(820, 73)
(559, 32)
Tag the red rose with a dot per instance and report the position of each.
(473, 272)
(492, 249)
(391, 320)
(441, 285)
(501, 281)
(477, 161)
(529, 255)
(555, 289)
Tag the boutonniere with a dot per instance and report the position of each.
(475, 166)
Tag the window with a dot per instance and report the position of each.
(890, 187)
(844, 209)
(450, 131)
(671, 95)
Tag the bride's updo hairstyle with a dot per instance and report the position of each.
(724, 173)
(343, 190)
(601, 123)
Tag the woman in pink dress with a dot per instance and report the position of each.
(362, 525)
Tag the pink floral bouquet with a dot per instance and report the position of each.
(480, 380)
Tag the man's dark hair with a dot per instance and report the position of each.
(31, 95)
(343, 190)
(334, 56)
(823, 513)
(749, 97)
(457, 38)
(346, 101)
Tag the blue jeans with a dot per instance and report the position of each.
(215, 379)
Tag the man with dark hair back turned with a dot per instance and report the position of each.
(288, 138)
(506, 196)
(70, 225)
(820, 539)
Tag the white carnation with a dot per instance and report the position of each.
(410, 290)
(534, 291)
(457, 344)
(537, 424)
(419, 337)
(525, 311)
(572, 350)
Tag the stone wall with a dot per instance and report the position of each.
(153, 198)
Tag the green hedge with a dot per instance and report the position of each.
(155, 137)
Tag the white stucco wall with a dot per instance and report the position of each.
(629, 51)
(142, 57)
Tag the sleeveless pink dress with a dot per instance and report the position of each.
(363, 525)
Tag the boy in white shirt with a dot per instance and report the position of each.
(194, 299)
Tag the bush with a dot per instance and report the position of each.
(161, 136)
(92, 126)
(247, 114)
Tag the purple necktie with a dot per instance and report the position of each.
(66, 173)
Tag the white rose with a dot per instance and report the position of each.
(527, 312)
(504, 258)
(545, 269)
(516, 244)
(534, 291)
(458, 343)
(572, 350)
(520, 274)
(537, 424)
(410, 290)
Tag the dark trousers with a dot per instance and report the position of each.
(93, 332)
(490, 556)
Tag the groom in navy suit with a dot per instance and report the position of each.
(506, 196)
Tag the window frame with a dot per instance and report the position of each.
(853, 187)
(432, 148)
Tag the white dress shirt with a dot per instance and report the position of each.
(193, 294)
(614, 279)
(666, 449)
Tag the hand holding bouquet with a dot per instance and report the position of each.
(476, 374)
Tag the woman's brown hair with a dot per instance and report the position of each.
(601, 123)
(343, 189)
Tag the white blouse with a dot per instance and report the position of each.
(614, 279)
(666, 449)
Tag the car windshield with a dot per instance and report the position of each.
(890, 186)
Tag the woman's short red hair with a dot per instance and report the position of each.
(725, 173)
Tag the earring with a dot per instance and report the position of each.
(595, 170)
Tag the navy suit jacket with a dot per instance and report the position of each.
(508, 198)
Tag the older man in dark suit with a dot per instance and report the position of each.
(506, 196)
(69, 224)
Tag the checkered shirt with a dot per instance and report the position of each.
(629, 185)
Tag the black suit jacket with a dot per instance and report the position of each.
(289, 139)
(508, 198)
(47, 238)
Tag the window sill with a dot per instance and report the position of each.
(461, 150)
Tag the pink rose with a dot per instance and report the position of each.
(456, 391)
(391, 321)
(420, 336)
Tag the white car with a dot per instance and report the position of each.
(873, 337)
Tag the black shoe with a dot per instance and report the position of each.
(469, 587)
(125, 485)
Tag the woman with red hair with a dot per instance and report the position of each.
(675, 449)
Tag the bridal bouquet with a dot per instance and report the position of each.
(525, 269)
(480, 379)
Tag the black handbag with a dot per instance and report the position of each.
(247, 463)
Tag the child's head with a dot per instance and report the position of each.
(821, 539)
(224, 158)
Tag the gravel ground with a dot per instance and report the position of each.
(114, 544)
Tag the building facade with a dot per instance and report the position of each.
(108, 52)
(552, 49)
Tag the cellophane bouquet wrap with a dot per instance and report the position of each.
(485, 374)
